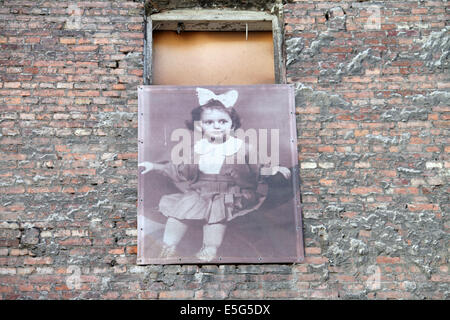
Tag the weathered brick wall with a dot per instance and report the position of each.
(373, 116)
(373, 107)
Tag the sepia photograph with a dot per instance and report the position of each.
(218, 175)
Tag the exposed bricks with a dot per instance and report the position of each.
(383, 259)
(39, 261)
(372, 114)
(367, 142)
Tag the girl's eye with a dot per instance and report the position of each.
(223, 121)
(209, 122)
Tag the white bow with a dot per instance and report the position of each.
(228, 99)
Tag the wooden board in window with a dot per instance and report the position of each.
(213, 58)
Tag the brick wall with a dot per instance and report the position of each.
(373, 114)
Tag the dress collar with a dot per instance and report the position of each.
(228, 148)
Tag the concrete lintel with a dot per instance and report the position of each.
(208, 25)
(212, 15)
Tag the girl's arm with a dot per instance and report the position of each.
(149, 166)
(265, 170)
(283, 170)
(177, 173)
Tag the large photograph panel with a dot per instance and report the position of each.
(218, 175)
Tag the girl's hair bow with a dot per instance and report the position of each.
(228, 99)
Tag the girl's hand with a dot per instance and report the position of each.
(283, 170)
(148, 166)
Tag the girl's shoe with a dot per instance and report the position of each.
(168, 251)
(206, 254)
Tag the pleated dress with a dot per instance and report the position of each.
(219, 188)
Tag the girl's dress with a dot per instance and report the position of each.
(217, 189)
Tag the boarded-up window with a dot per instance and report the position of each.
(221, 58)
(213, 47)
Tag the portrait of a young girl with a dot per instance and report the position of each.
(218, 188)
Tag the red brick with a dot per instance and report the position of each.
(341, 125)
(422, 207)
(325, 149)
(119, 87)
(67, 40)
(366, 190)
(440, 278)
(83, 48)
(26, 288)
(312, 251)
(13, 157)
(44, 189)
(410, 190)
(75, 242)
(393, 295)
(132, 250)
(12, 190)
(247, 294)
(116, 251)
(315, 260)
(6, 289)
(84, 189)
(327, 182)
(388, 260)
(38, 260)
(336, 49)
(148, 295)
(176, 294)
(61, 287)
(325, 294)
(77, 172)
(49, 93)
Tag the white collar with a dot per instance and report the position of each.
(228, 148)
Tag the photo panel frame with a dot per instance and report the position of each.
(218, 176)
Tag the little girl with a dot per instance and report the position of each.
(219, 190)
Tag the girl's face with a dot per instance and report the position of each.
(216, 124)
